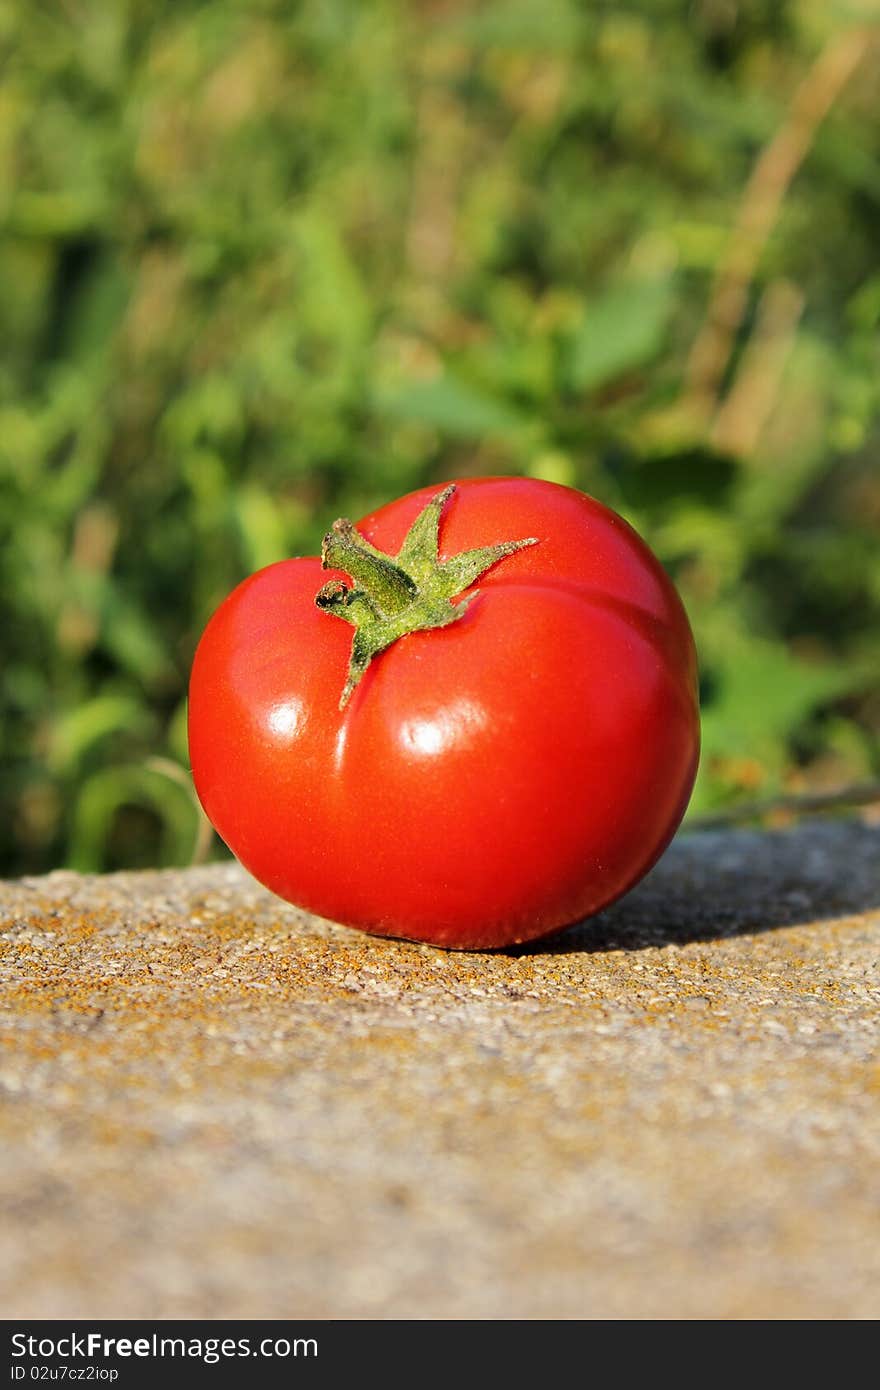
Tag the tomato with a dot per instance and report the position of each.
(476, 743)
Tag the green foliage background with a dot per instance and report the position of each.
(263, 263)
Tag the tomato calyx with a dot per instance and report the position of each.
(407, 592)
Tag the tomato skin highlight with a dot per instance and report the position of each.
(489, 782)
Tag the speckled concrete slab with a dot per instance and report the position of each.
(214, 1105)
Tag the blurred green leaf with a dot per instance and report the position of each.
(789, 691)
(528, 24)
(262, 527)
(621, 330)
(133, 640)
(77, 730)
(106, 794)
(454, 407)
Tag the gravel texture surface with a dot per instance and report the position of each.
(214, 1105)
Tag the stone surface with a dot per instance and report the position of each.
(214, 1105)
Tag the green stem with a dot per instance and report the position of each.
(395, 595)
(344, 548)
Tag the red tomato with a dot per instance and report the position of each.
(489, 780)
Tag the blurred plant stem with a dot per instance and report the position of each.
(740, 418)
(790, 807)
(204, 830)
(758, 212)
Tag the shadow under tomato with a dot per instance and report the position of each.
(724, 883)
